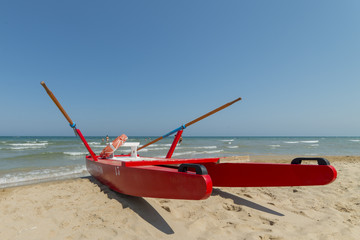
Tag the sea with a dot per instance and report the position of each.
(27, 160)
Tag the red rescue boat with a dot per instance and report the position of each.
(191, 179)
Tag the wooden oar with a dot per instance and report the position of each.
(72, 124)
(52, 96)
(192, 122)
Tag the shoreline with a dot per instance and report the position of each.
(82, 208)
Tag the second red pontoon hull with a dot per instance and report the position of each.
(269, 174)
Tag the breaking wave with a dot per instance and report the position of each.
(311, 141)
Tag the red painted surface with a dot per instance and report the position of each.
(269, 174)
(93, 155)
(145, 179)
(174, 144)
(150, 181)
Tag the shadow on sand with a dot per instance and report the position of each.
(142, 208)
(241, 201)
(139, 205)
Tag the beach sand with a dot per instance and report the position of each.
(85, 209)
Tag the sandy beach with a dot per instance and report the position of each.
(85, 209)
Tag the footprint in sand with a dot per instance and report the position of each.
(247, 195)
(166, 208)
(267, 221)
(341, 208)
(232, 207)
(270, 237)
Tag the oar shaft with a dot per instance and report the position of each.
(154, 141)
(192, 122)
(72, 124)
(52, 96)
(212, 112)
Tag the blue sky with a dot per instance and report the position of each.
(147, 67)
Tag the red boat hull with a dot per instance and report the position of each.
(150, 181)
(193, 179)
(269, 174)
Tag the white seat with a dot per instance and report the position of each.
(133, 146)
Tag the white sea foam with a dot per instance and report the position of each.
(98, 146)
(210, 152)
(157, 149)
(291, 142)
(184, 153)
(160, 145)
(20, 148)
(197, 153)
(312, 141)
(41, 175)
(354, 140)
(227, 140)
(75, 153)
(275, 146)
(232, 146)
(153, 145)
(24, 148)
(205, 147)
(27, 145)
